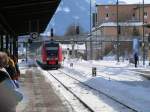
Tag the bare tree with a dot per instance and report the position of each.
(135, 32)
(74, 30)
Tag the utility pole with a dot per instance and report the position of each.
(139, 11)
(26, 45)
(52, 33)
(91, 47)
(96, 29)
(73, 45)
(117, 33)
(143, 44)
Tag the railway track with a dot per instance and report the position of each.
(69, 90)
(146, 75)
(91, 88)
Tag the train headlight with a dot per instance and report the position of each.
(48, 59)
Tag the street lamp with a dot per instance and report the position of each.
(91, 49)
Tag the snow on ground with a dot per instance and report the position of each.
(72, 103)
(123, 64)
(114, 79)
(98, 102)
(23, 64)
(117, 73)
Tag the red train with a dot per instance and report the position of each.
(49, 55)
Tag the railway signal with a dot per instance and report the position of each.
(30, 41)
(52, 32)
(77, 30)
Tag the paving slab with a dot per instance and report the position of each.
(39, 96)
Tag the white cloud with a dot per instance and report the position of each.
(93, 1)
(76, 17)
(66, 9)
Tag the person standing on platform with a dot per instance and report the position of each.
(11, 69)
(17, 73)
(9, 96)
(136, 58)
(16, 67)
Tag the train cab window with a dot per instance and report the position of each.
(52, 50)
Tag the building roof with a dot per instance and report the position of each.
(24, 16)
(122, 5)
(76, 46)
(125, 24)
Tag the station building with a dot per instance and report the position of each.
(130, 21)
(130, 16)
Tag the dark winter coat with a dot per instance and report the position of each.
(136, 58)
(11, 71)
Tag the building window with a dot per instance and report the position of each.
(106, 7)
(133, 16)
(145, 15)
(107, 15)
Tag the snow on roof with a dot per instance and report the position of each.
(77, 46)
(114, 24)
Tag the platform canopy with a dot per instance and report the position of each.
(25, 16)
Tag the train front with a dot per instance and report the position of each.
(53, 54)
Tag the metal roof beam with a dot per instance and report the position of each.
(28, 4)
(5, 24)
(15, 14)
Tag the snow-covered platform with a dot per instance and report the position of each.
(39, 96)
